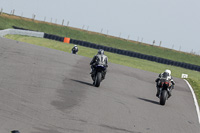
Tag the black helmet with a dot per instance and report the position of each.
(101, 51)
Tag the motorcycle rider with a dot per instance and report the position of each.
(75, 49)
(166, 73)
(99, 59)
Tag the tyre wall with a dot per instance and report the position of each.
(136, 55)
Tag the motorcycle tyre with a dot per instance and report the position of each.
(163, 97)
(98, 79)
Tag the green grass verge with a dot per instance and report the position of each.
(7, 21)
(194, 78)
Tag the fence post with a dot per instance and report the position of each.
(83, 26)
(160, 43)
(13, 12)
(141, 40)
(34, 16)
(119, 34)
(1, 11)
(101, 30)
(173, 46)
(154, 42)
(128, 37)
(63, 22)
(67, 23)
(192, 51)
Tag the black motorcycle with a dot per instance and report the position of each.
(98, 75)
(74, 50)
(165, 85)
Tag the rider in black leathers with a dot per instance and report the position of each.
(75, 49)
(168, 74)
(99, 59)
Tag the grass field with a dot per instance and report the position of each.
(194, 77)
(7, 21)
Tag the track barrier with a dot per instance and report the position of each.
(106, 48)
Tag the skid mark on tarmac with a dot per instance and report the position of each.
(71, 94)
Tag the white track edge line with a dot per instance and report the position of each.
(195, 99)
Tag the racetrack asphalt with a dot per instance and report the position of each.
(44, 90)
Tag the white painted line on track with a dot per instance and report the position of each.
(195, 99)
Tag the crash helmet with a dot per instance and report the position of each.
(75, 45)
(101, 51)
(168, 71)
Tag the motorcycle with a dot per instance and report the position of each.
(165, 85)
(74, 50)
(98, 75)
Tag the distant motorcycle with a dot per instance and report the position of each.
(165, 85)
(74, 50)
(98, 75)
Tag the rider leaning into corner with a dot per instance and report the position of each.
(167, 72)
(99, 59)
(75, 49)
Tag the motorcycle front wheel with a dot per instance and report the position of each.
(163, 97)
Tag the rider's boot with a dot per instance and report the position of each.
(170, 93)
(158, 92)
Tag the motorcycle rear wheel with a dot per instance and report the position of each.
(98, 79)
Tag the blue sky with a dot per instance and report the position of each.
(174, 22)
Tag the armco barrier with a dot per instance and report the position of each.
(21, 32)
(4, 32)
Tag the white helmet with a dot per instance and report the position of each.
(168, 71)
(75, 45)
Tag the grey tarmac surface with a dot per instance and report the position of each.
(48, 91)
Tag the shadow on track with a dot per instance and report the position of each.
(82, 82)
(150, 101)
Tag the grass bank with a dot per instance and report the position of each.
(7, 21)
(194, 77)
